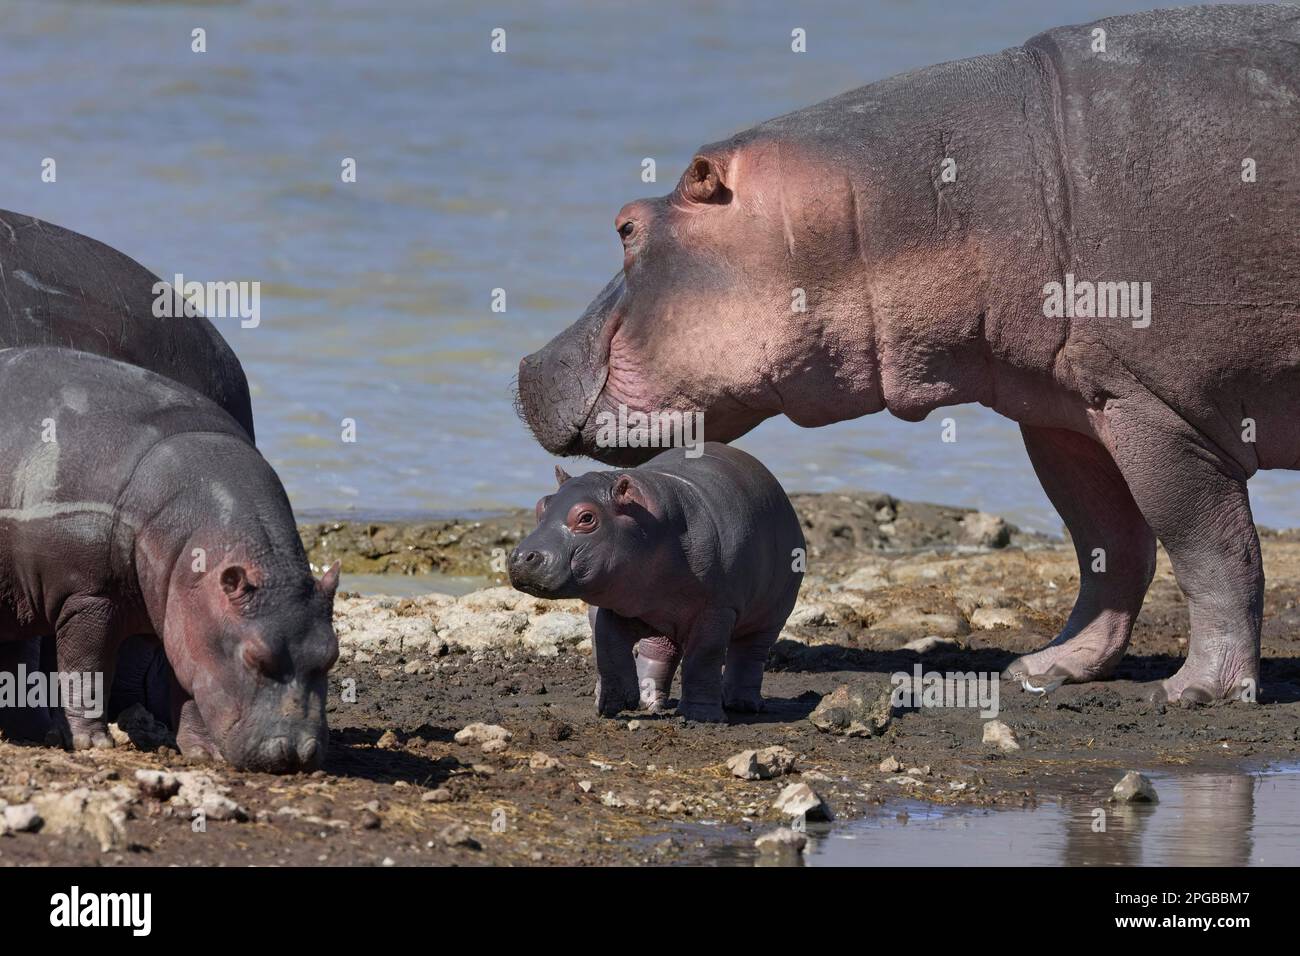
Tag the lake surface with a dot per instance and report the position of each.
(475, 171)
(1201, 819)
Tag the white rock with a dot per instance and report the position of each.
(95, 815)
(484, 734)
(782, 840)
(996, 732)
(800, 800)
(22, 818)
(987, 618)
(923, 645)
(1134, 788)
(762, 764)
(158, 784)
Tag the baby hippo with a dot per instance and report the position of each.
(693, 560)
(131, 505)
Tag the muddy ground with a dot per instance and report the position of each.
(571, 788)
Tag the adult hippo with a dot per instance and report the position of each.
(58, 287)
(950, 230)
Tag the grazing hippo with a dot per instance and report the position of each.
(58, 287)
(131, 505)
(947, 236)
(698, 558)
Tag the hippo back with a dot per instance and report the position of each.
(76, 426)
(756, 526)
(60, 288)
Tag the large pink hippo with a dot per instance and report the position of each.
(1094, 234)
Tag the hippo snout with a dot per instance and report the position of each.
(286, 754)
(537, 571)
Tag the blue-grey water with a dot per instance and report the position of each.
(1202, 819)
(475, 171)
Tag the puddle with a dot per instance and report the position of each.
(409, 585)
(1202, 819)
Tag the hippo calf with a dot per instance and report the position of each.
(1093, 234)
(131, 505)
(699, 559)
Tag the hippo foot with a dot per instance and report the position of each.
(742, 701)
(704, 713)
(654, 704)
(86, 735)
(199, 752)
(25, 723)
(613, 700)
(1084, 657)
(1195, 685)
(197, 747)
(92, 741)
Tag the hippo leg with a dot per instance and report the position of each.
(1084, 484)
(22, 723)
(705, 653)
(742, 681)
(617, 684)
(1195, 500)
(192, 735)
(656, 662)
(87, 645)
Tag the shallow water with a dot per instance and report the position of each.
(475, 171)
(1202, 819)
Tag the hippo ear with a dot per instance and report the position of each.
(561, 476)
(702, 182)
(234, 581)
(329, 581)
(627, 493)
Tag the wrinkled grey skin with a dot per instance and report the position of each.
(58, 287)
(150, 513)
(1123, 165)
(690, 560)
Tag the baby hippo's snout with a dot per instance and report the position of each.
(536, 570)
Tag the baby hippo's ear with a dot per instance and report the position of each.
(627, 494)
(561, 476)
(234, 581)
(329, 581)
(541, 507)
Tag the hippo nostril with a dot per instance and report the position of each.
(309, 752)
(276, 752)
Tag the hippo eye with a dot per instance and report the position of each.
(581, 519)
(625, 231)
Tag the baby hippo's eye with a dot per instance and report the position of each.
(625, 231)
(582, 519)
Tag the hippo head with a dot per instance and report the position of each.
(253, 646)
(741, 297)
(588, 534)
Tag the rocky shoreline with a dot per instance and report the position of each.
(463, 728)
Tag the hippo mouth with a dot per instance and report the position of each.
(560, 385)
(569, 391)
